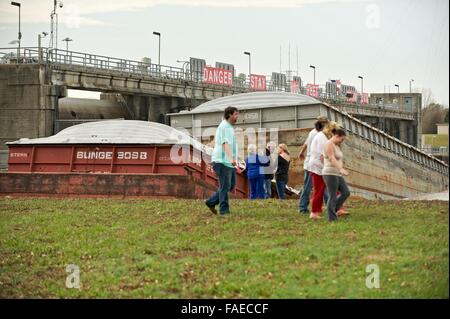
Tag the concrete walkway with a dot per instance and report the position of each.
(443, 196)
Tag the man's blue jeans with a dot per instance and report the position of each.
(304, 198)
(303, 202)
(227, 181)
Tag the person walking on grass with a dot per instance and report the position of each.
(224, 161)
(303, 202)
(281, 175)
(315, 166)
(333, 173)
(255, 177)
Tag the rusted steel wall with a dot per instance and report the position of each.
(114, 159)
(106, 185)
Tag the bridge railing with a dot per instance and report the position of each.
(142, 68)
(442, 151)
(24, 55)
(57, 56)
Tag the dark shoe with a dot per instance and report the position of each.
(224, 213)
(304, 211)
(211, 208)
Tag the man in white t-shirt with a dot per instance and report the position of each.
(307, 184)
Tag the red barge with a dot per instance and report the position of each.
(114, 158)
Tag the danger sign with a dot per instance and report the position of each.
(217, 76)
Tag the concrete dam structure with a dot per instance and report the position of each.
(380, 166)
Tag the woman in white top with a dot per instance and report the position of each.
(333, 172)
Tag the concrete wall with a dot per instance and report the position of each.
(403, 102)
(27, 102)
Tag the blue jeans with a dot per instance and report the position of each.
(334, 184)
(268, 187)
(303, 203)
(281, 189)
(227, 181)
(257, 188)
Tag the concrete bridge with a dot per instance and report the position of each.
(30, 90)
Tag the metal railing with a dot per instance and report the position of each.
(442, 151)
(58, 57)
(391, 144)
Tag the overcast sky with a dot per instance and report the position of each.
(387, 42)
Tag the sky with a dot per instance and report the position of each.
(386, 42)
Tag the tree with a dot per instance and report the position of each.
(431, 115)
(427, 97)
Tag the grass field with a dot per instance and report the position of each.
(177, 249)
(436, 140)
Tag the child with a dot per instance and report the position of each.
(281, 175)
(255, 178)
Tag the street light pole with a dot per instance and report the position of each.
(44, 34)
(249, 65)
(314, 68)
(159, 49)
(398, 88)
(412, 80)
(17, 4)
(362, 84)
(67, 40)
(185, 64)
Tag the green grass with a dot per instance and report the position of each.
(177, 249)
(436, 140)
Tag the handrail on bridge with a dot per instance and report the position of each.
(58, 57)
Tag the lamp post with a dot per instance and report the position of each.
(314, 68)
(185, 63)
(67, 40)
(362, 83)
(44, 34)
(410, 81)
(249, 64)
(17, 4)
(398, 88)
(159, 49)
